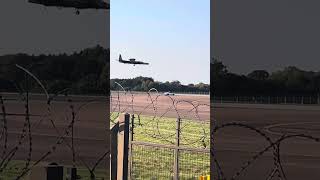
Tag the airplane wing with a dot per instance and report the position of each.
(62, 3)
(79, 4)
(100, 4)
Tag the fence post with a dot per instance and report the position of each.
(285, 99)
(123, 147)
(114, 151)
(310, 100)
(130, 146)
(176, 151)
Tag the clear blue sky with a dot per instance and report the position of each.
(172, 35)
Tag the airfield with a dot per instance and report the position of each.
(90, 125)
(160, 105)
(234, 146)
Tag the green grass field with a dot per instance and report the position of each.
(163, 131)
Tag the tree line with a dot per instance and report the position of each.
(287, 81)
(145, 83)
(84, 72)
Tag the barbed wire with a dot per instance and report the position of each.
(187, 111)
(154, 110)
(65, 137)
(274, 145)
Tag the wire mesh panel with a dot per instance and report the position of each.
(152, 162)
(193, 164)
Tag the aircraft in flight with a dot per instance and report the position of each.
(77, 4)
(131, 61)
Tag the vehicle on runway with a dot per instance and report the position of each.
(131, 61)
(77, 4)
(168, 94)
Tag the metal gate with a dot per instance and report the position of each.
(138, 160)
(166, 161)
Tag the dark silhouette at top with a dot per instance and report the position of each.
(78, 4)
(131, 61)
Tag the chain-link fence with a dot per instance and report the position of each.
(154, 161)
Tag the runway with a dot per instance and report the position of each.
(234, 146)
(186, 106)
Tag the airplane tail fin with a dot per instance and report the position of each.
(120, 58)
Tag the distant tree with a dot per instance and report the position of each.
(260, 75)
(176, 83)
(146, 83)
(218, 68)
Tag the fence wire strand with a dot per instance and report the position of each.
(65, 137)
(273, 145)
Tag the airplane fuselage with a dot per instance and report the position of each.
(131, 61)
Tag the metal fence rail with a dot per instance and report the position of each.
(315, 99)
